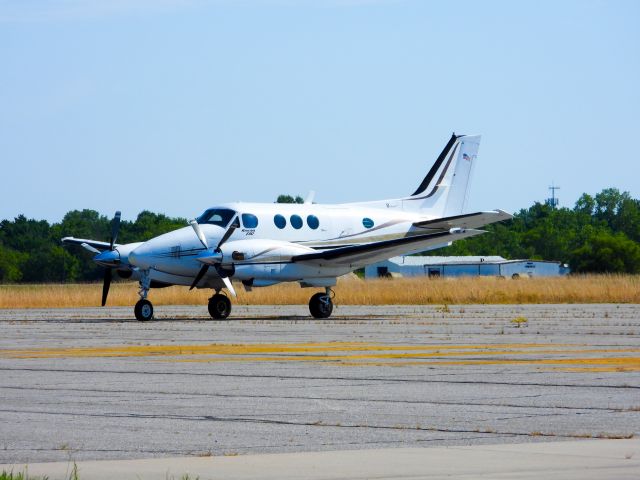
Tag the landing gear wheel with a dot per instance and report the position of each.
(219, 306)
(321, 305)
(143, 310)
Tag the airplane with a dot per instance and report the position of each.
(262, 244)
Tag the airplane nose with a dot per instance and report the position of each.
(108, 258)
(140, 257)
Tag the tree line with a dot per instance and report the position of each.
(599, 234)
(30, 250)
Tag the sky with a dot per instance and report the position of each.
(174, 106)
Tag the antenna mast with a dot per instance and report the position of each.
(553, 201)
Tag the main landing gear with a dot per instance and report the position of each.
(321, 304)
(219, 306)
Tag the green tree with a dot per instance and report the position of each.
(10, 265)
(289, 199)
(606, 252)
(148, 225)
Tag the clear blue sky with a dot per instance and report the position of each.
(173, 106)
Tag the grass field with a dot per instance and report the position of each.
(350, 291)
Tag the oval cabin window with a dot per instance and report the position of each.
(280, 221)
(313, 222)
(296, 221)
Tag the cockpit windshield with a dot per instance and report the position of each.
(217, 216)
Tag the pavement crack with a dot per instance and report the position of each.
(335, 378)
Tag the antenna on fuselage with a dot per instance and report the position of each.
(310, 196)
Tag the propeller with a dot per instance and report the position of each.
(115, 228)
(107, 283)
(218, 256)
(107, 258)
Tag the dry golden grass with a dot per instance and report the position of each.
(351, 291)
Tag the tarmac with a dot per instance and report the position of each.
(89, 385)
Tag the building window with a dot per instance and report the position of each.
(313, 222)
(367, 222)
(296, 221)
(280, 221)
(249, 220)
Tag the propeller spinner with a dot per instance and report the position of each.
(215, 258)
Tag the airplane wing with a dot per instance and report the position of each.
(80, 241)
(468, 220)
(360, 255)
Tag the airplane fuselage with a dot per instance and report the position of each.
(267, 236)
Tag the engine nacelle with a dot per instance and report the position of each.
(261, 259)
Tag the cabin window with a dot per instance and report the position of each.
(296, 221)
(280, 221)
(367, 222)
(217, 216)
(313, 222)
(249, 220)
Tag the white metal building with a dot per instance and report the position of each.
(415, 266)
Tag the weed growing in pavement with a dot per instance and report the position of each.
(519, 322)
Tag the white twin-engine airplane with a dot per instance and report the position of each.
(261, 244)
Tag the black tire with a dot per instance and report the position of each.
(219, 306)
(143, 310)
(321, 305)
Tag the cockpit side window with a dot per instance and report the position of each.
(249, 220)
(217, 216)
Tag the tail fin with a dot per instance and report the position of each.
(445, 188)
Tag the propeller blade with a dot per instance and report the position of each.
(90, 248)
(201, 274)
(196, 228)
(106, 285)
(115, 228)
(227, 234)
(229, 285)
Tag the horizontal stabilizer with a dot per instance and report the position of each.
(469, 220)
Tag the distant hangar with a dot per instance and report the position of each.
(420, 266)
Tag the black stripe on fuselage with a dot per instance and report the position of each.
(340, 252)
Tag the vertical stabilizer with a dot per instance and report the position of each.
(444, 190)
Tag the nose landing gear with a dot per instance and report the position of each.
(144, 308)
(321, 304)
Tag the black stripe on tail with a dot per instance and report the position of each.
(436, 166)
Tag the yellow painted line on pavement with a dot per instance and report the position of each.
(239, 349)
(566, 357)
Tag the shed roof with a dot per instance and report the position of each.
(420, 260)
(429, 260)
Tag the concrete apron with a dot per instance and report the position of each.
(583, 459)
